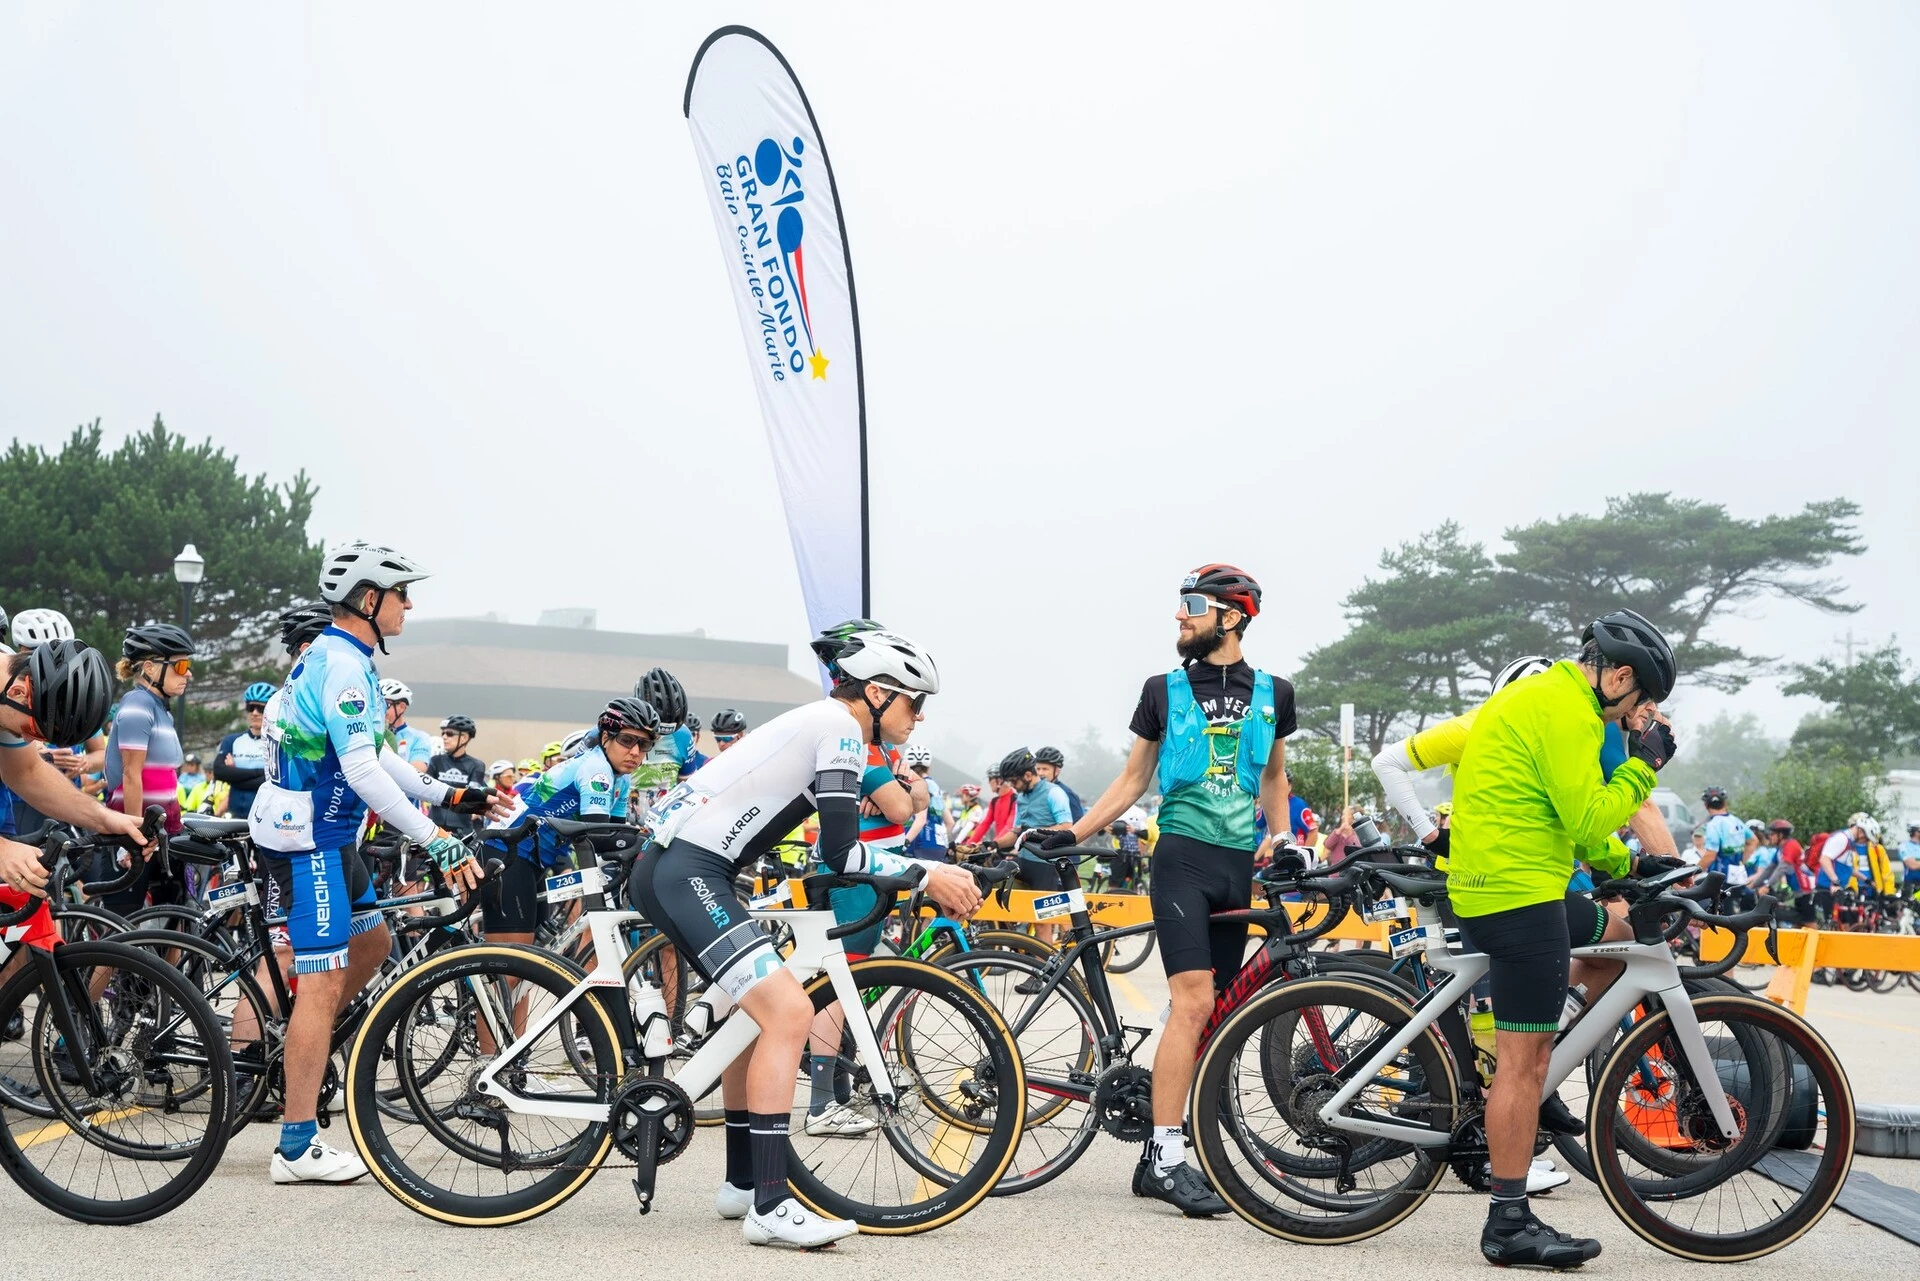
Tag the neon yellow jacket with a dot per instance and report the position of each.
(1529, 797)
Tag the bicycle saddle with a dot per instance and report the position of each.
(1421, 883)
(208, 828)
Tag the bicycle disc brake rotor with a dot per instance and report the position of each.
(660, 1099)
(1123, 1100)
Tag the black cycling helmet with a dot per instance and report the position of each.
(728, 721)
(1625, 639)
(460, 725)
(692, 723)
(72, 690)
(1226, 583)
(303, 624)
(1715, 798)
(624, 714)
(659, 688)
(156, 640)
(1051, 756)
(1017, 764)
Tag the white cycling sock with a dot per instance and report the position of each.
(1169, 1148)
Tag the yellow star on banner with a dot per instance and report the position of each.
(819, 364)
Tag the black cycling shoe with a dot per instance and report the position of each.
(1181, 1188)
(1514, 1238)
(1557, 1118)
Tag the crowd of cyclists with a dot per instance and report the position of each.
(1551, 787)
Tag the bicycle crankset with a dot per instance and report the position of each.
(1467, 1153)
(1123, 1100)
(657, 1103)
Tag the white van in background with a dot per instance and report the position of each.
(1679, 818)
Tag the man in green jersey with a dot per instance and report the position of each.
(1529, 799)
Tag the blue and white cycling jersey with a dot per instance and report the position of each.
(329, 706)
(665, 764)
(412, 744)
(1044, 805)
(1726, 838)
(932, 836)
(581, 788)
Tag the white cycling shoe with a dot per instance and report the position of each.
(840, 1122)
(731, 1202)
(318, 1164)
(792, 1224)
(1541, 1176)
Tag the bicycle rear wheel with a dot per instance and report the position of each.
(460, 1156)
(1059, 1039)
(1724, 1206)
(152, 1129)
(950, 1133)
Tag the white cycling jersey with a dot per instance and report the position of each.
(750, 796)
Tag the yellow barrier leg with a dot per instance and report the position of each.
(1790, 985)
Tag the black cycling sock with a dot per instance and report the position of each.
(739, 1149)
(769, 1134)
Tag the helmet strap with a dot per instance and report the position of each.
(875, 713)
(1606, 704)
(371, 617)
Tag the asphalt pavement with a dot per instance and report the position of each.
(1083, 1224)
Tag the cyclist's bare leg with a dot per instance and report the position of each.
(1179, 1043)
(1598, 976)
(1513, 1102)
(762, 1079)
(310, 1029)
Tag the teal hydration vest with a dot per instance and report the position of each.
(1185, 754)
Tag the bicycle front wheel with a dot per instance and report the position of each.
(937, 1149)
(154, 1125)
(458, 1155)
(1731, 1199)
(1257, 1095)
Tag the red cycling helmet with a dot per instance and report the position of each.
(1226, 583)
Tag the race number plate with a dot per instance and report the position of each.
(223, 898)
(1386, 909)
(565, 886)
(1407, 942)
(1052, 905)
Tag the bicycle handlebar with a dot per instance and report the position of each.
(886, 889)
(57, 843)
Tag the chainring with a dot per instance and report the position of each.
(1467, 1153)
(1123, 1100)
(673, 1109)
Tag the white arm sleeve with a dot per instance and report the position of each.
(1394, 768)
(412, 781)
(383, 796)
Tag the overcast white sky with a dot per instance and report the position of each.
(1276, 284)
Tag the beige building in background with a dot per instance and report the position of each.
(526, 686)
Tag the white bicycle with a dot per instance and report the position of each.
(498, 1137)
(1720, 1128)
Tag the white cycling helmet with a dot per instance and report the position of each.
(38, 626)
(914, 754)
(1866, 823)
(346, 568)
(570, 745)
(1526, 665)
(394, 691)
(498, 768)
(887, 658)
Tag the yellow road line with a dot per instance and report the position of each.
(942, 1149)
(60, 1129)
(1129, 993)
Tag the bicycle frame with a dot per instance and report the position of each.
(813, 954)
(1650, 971)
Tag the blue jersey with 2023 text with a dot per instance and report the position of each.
(580, 788)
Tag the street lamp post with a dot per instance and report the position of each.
(188, 569)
